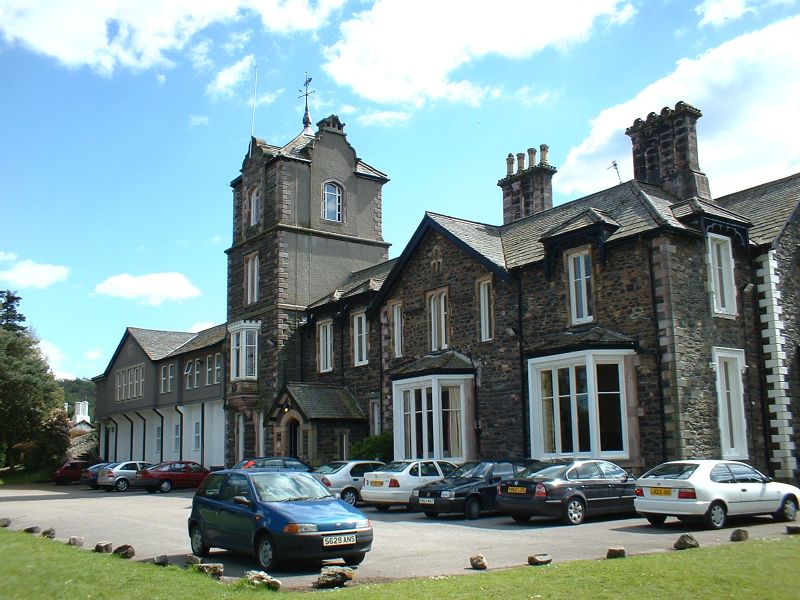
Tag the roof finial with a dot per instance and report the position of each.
(306, 116)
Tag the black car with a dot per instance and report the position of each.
(570, 490)
(274, 463)
(470, 489)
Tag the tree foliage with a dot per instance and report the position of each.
(380, 447)
(10, 317)
(78, 390)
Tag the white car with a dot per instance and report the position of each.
(394, 482)
(345, 477)
(712, 490)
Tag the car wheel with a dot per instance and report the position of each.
(121, 485)
(265, 552)
(574, 512)
(431, 514)
(472, 509)
(165, 485)
(199, 547)
(354, 560)
(715, 517)
(521, 518)
(350, 496)
(787, 511)
(655, 519)
(381, 507)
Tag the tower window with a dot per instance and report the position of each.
(332, 202)
(255, 207)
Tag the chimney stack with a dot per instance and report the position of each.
(665, 152)
(528, 190)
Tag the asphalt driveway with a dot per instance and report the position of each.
(407, 544)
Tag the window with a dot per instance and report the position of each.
(187, 375)
(729, 364)
(437, 313)
(170, 376)
(325, 346)
(396, 312)
(580, 287)
(197, 435)
(360, 339)
(578, 405)
(433, 417)
(251, 278)
(721, 279)
(343, 440)
(217, 367)
(485, 309)
(130, 383)
(198, 369)
(332, 202)
(436, 261)
(176, 443)
(209, 370)
(158, 440)
(165, 380)
(244, 349)
(255, 207)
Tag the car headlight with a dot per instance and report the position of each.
(448, 494)
(300, 528)
(363, 524)
(415, 492)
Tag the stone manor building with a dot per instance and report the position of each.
(644, 322)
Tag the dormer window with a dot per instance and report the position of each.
(332, 195)
(721, 275)
(255, 207)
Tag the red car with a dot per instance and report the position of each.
(69, 472)
(169, 475)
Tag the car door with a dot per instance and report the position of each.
(429, 471)
(755, 496)
(621, 487)
(356, 475)
(237, 521)
(488, 489)
(587, 478)
(207, 502)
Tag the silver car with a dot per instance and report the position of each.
(346, 477)
(117, 476)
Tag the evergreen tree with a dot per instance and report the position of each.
(10, 318)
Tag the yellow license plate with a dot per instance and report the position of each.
(376, 483)
(661, 491)
(515, 490)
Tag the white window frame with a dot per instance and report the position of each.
(130, 383)
(251, 278)
(188, 371)
(176, 441)
(437, 319)
(209, 369)
(325, 345)
(158, 440)
(581, 286)
(360, 339)
(729, 364)
(170, 376)
(436, 383)
(334, 192)
(244, 349)
(485, 309)
(255, 206)
(198, 369)
(217, 367)
(197, 436)
(396, 309)
(721, 276)
(164, 379)
(590, 360)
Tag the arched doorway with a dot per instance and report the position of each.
(293, 430)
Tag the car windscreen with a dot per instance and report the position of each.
(545, 471)
(472, 469)
(671, 471)
(283, 487)
(333, 467)
(396, 467)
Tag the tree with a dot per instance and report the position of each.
(10, 317)
(78, 390)
(28, 389)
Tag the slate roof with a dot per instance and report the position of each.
(202, 339)
(448, 361)
(769, 206)
(484, 239)
(158, 344)
(594, 337)
(369, 279)
(321, 401)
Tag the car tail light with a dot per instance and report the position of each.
(541, 491)
(326, 481)
(394, 483)
(687, 494)
(639, 492)
(248, 464)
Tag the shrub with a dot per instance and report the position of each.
(380, 447)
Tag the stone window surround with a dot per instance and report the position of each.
(438, 311)
(590, 358)
(360, 346)
(436, 260)
(325, 346)
(587, 298)
(721, 289)
(484, 291)
(396, 321)
(251, 278)
(730, 401)
(338, 186)
(253, 208)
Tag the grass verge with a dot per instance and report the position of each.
(42, 568)
(22, 475)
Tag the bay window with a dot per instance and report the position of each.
(244, 349)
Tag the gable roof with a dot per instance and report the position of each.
(202, 339)
(365, 280)
(317, 401)
(769, 206)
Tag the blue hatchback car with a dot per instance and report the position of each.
(276, 516)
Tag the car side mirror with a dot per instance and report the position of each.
(243, 500)
(768, 479)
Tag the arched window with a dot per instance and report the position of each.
(332, 202)
(255, 207)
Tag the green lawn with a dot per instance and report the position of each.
(22, 475)
(41, 568)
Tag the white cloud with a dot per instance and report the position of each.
(230, 77)
(236, 42)
(93, 355)
(198, 120)
(152, 289)
(55, 358)
(269, 97)
(7, 256)
(199, 55)
(161, 78)
(347, 109)
(719, 12)
(29, 274)
(527, 96)
(389, 54)
(140, 34)
(200, 326)
(387, 118)
(749, 91)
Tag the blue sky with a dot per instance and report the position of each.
(123, 122)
